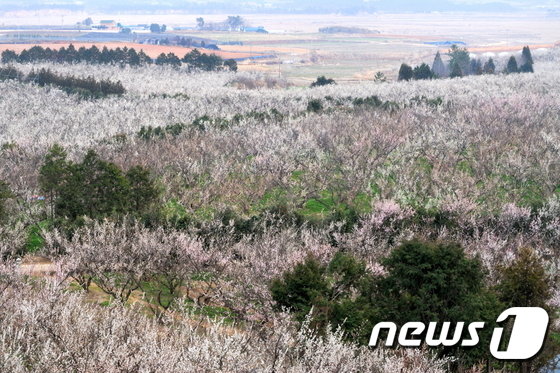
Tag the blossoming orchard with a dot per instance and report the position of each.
(222, 221)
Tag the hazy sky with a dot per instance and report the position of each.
(276, 6)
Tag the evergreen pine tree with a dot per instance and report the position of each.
(143, 190)
(105, 56)
(93, 55)
(489, 67)
(456, 71)
(475, 67)
(405, 72)
(460, 57)
(52, 174)
(422, 72)
(9, 56)
(525, 283)
(132, 57)
(321, 81)
(438, 67)
(161, 59)
(144, 58)
(5, 194)
(512, 66)
(173, 60)
(526, 56)
(526, 61)
(379, 77)
(231, 65)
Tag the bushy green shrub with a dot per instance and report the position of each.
(322, 81)
(5, 195)
(424, 281)
(327, 289)
(94, 188)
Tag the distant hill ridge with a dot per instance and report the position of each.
(278, 6)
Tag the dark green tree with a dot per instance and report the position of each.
(95, 188)
(173, 60)
(154, 27)
(526, 56)
(315, 105)
(52, 175)
(475, 67)
(10, 73)
(37, 53)
(422, 72)
(424, 282)
(436, 282)
(143, 190)
(71, 55)
(132, 57)
(235, 23)
(512, 66)
(526, 61)
(322, 81)
(210, 62)
(105, 56)
(525, 283)
(202, 61)
(526, 68)
(5, 195)
(379, 77)
(459, 56)
(302, 288)
(200, 23)
(329, 290)
(9, 56)
(161, 59)
(192, 58)
(144, 58)
(456, 71)
(438, 67)
(405, 72)
(105, 189)
(489, 67)
(230, 64)
(24, 56)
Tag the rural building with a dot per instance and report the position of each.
(108, 25)
(260, 29)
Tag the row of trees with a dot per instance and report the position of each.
(125, 56)
(157, 28)
(85, 87)
(197, 61)
(232, 23)
(92, 55)
(461, 64)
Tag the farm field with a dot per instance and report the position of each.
(300, 53)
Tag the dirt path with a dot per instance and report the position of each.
(33, 265)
